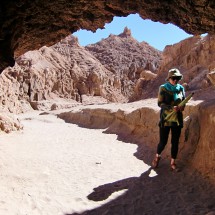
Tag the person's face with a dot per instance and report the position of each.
(174, 80)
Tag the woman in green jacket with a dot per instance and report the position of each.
(170, 95)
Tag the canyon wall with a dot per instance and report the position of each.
(69, 71)
(194, 57)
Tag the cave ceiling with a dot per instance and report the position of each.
(28, 25)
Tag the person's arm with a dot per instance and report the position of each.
(161, 99)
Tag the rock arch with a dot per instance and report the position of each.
(27, 25)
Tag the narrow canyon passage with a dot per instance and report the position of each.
(58, 168)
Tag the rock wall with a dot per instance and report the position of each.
(69, 71)
(129, 60)
(194, 57)
(65, 70)
(204, 157)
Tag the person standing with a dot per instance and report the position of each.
(170, 95)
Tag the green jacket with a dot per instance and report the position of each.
(167, 99)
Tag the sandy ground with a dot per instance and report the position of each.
(50, 167)
(56, 168)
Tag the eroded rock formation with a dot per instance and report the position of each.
(194, 57)
(9, 123)
(29, 25)
(129, 60)
(69, 71)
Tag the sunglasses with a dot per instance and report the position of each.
(176, 78)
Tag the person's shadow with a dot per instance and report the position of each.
(177, 193)
(183, 193)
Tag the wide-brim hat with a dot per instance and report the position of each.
(174, 73)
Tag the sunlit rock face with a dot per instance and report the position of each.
(194, 57)
(65, 70)
(70, 71)
(130, 61)
(29, 25)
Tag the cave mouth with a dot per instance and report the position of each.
(156, 34)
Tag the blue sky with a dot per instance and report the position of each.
(156, 34)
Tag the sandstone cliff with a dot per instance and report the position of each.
(65, 70)
(194, 57)
(115, 70)
(69, 71)
(128, 59)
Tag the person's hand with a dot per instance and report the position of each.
(181, 108)
(176, 108)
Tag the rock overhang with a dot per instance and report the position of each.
(27, 25)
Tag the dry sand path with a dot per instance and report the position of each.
(56, 168)
(52, 166)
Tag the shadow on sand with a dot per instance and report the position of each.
(169, 193)
(185, 193)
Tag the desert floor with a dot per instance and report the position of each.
(56, 168)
